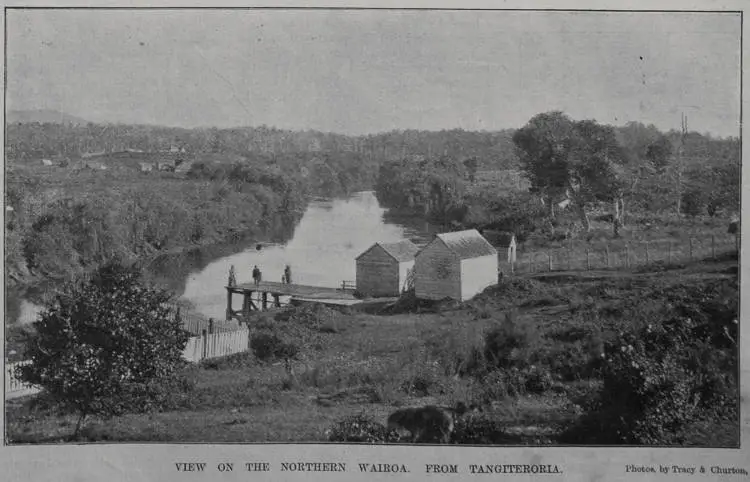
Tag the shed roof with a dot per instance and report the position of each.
(401, 251)
(467, 244)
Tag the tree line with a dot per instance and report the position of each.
(591, 165)
(34, 140)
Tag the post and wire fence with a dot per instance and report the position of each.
(622, 255)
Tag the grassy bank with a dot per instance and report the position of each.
(542, 388)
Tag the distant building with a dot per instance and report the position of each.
(183, 166)
(147, 166)
(455, 265)
(384, 268)
(166, 165)
(97, 165)
(48, 162)
(88, 155)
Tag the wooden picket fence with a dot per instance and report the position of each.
(201, 347)
(214, 345)
(15, 387)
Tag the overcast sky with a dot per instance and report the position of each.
(368, 71)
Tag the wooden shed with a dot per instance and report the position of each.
(384, 268)
(455, 265)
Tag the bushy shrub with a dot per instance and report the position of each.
(423, 383)
(657, 380)
(267, 347)
(694, 202)
(107, 346)
(538, 380)
(360, 428)
(510, 343)
(499, 384)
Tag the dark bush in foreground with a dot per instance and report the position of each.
(510, 343)
(107, 347)
(267, 347)
(663, 377)
(360, 428)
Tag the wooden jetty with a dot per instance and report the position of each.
(269, 293)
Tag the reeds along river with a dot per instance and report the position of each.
(321, 250)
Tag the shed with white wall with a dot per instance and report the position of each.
(455, 265)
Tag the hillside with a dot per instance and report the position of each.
(356, 364)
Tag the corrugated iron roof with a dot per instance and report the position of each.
(467, 244)
(401, 251)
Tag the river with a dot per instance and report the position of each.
(321, 250)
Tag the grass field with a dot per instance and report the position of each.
(355, 363)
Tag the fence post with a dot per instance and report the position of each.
(210, 325)
(627, 255)
(670, 252)
(690, 240)
(713, 246)
(588, 260)
(204, 339)
(606, 247)
(569, 256)
(530, 267)
(549, 260)
(648, 257)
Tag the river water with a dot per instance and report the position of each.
(321, 250)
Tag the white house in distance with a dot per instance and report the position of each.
(504, 242)
(383, 269)
(455, 265)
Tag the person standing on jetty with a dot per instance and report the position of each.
(256, 275)
(288, 274)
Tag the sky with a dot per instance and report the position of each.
(368, 71)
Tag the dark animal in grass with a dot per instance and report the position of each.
(429, 424)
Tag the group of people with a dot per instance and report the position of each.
(285, 278)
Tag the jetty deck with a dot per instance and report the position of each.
(293, 290)
(275, 290)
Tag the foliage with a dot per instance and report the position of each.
(268, 347)
(519, 213)
(561, 155)
(433, 186)
(694, 202)
(360, 428)
(94, 219)
(510, 343)
(662, 376)
(659, 152)
(107, 346)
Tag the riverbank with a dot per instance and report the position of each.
(355, 364)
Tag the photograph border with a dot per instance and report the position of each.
(743, 419)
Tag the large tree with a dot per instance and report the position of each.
(580, 158)
(107, 346)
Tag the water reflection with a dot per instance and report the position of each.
(322, 251)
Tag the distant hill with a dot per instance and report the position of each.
(42, 116)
